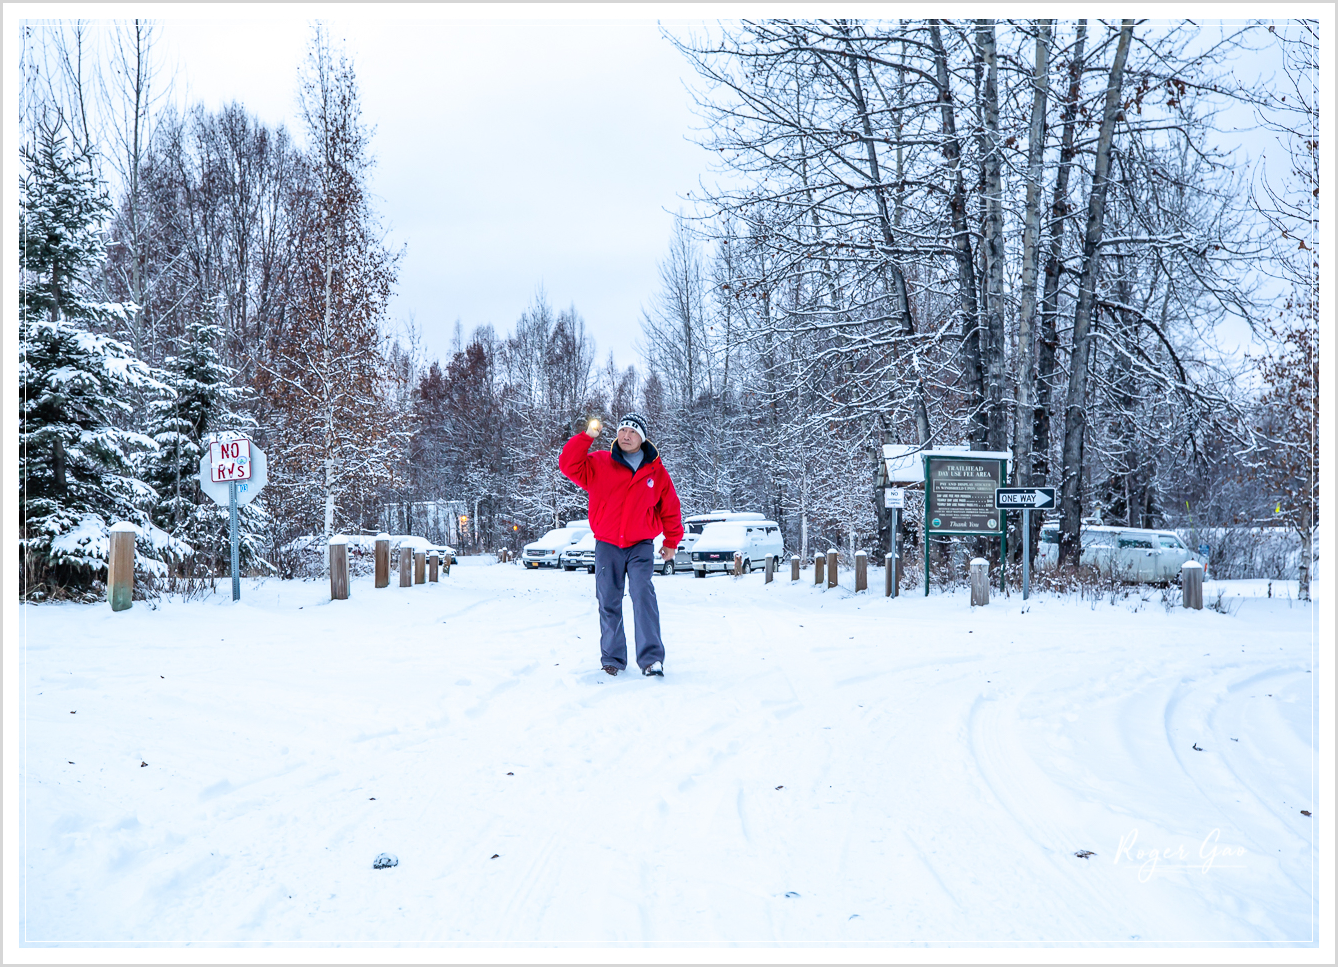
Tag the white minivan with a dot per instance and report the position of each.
(692, 529)
(1133, 554)
(721, 540)
(546, 551)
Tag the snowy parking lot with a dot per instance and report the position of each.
(816, 766)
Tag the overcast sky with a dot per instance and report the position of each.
(510, 154)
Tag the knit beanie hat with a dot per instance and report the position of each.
(637, 422)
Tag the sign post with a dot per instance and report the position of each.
(894, 499)
(958, 491)
(233, 473)
(1026, 499)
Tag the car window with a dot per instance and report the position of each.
(1050, 535)
(1168, 541)
(1135, 542)
(695, 528)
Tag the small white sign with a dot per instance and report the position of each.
(229, 460)
(894, 498)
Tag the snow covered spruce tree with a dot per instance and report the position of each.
(205, 402)
(76, 470)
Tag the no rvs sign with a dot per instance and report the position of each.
(236, 461)
(229, 460)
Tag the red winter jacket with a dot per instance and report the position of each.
(625, 507)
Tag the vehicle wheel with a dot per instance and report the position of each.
(699, 574)
(747, 566)
(569, 567)
(591, 570)
(668, 568)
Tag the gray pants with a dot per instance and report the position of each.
(613, 564)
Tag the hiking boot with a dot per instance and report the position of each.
(611, 669)
(654, 668)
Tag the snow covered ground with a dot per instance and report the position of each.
(816, 766)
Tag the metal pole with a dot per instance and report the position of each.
(232, 535)
(1003, 551)
(896, 528)
(1026, 552)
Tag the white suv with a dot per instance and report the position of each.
(546, 550)
(1134, 554)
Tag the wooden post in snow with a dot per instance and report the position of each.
(980, 582)
(831, 568)
(121, 565)
(419, 567)
(770, 569)
(382, 560)
(794, 567)
(406, 567)
(862, 571)
(338, 568)
(818, 563)
(889, 575)
(738, 563)
(1191, 585)
(433, 560)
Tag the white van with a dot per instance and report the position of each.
(545, 552)
(1135, 554)
(714, 550)
(693, 526)
(582, 554)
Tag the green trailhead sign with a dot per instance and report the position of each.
(959, 494)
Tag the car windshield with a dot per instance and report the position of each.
(1168, 541)
(723, 533)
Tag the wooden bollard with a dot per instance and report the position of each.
(406, 567)
(738, 563)
(339, 569)
(862, 571)
(433, 560)
(382, 560)
(121, 565)
(831, 568)
(446, 563)
(419, 567)
(770, 569)
(794, 567)
(1191, 585)
(819, 563)
(980, 582)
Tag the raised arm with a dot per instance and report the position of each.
(575, 462)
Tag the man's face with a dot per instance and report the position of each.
(628, 439)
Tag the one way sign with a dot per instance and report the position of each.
(1024, 498)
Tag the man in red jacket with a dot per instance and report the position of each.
(632, 500)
